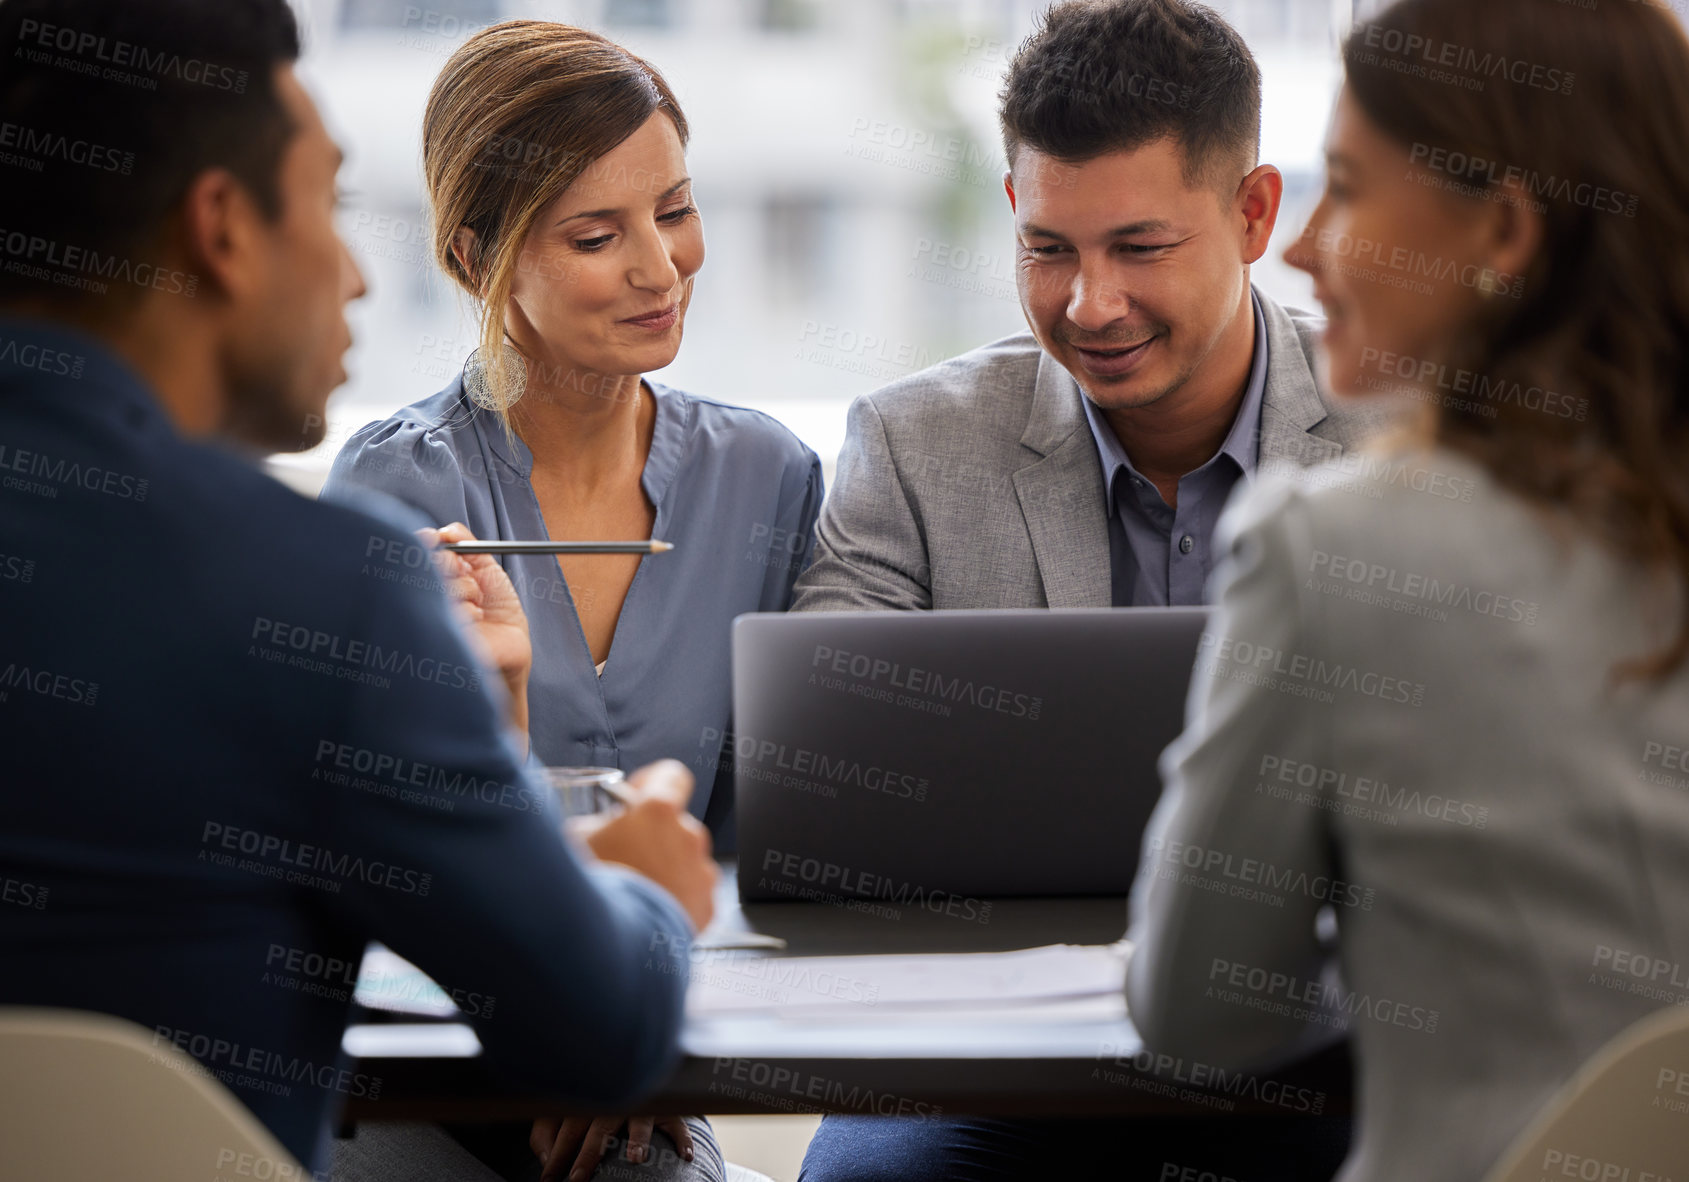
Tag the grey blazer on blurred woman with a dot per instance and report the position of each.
(1402, 711)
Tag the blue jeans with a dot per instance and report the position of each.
(1235, 1148)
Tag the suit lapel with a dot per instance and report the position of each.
(1291, 406)
(1061, 495)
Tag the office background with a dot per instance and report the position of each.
(847, 165)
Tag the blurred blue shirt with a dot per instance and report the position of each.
(1160, 556)
(736, 493)
(244, 737)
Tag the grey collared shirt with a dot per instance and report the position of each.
(1159, 555)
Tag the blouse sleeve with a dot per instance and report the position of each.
(412, 462)
(1227, 964)
(800, 504)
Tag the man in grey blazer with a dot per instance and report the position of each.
(1085, 463)
(982, 482)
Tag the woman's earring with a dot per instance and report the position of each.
(478, 383)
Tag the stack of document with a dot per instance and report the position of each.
(1063, 981)
(1060, 982)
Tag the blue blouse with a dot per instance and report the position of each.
(737, 494)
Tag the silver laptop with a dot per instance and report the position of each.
(933, 759)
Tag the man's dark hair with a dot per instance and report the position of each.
(110, 108)
(1104, 76)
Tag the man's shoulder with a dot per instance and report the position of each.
(322, 544)
(984, 392)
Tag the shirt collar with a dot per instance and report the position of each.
(668, 438)
(1242, 442)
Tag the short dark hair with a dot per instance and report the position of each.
(110, 108)
(1102, 76)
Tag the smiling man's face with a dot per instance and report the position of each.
(1128, 274)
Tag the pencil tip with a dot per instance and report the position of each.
(659, 547)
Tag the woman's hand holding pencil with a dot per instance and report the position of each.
(487, 602)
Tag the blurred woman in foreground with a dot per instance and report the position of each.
(1439, 698)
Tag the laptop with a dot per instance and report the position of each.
(933, 759)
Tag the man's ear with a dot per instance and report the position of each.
(221, 234)
(1009, 188)
(463, 250)
(1259, 197)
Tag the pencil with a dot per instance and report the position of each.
(651, 547)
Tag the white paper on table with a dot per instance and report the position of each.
(387, 981)
(738, 983)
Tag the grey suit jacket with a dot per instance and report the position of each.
(976, 483)
(1402, 712)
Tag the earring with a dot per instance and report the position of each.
(477, 385)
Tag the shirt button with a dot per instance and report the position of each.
(1187, 544)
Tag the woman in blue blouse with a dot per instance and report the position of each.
(556, 173)
(558, 183)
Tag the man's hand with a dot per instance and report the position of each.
(488, 604)
(573, 1146)
(657, 837)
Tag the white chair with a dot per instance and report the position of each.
(86, 1097)
(1625, 1114)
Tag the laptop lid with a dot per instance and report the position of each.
(933, 758)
